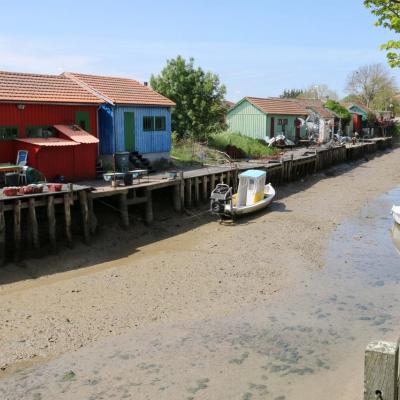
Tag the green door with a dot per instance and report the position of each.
(129, 131)
(82, 119)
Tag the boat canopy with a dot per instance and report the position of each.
(251, 187)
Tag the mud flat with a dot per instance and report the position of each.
(191, 300)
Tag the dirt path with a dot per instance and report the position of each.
(179, 269)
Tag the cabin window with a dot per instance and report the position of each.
(148, 123)
(251, 184)
(160, 123)
(40, 131)
(8, 132)
(282, 121)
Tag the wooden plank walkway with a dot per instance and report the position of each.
(190, 188)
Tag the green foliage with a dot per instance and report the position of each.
(388, 16)
(396, 130)
(199, 98)
(291, 93)
(253, 148)
(339, 110)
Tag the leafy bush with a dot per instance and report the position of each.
(339, 110)
(253, 148)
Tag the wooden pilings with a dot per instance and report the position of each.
(204, 189)
(51, 216)
(83, 199)
(381, 371)
(149, 207)
(33, 223)
(17, 230)
(123, 209)
(192, 188)
(68, 219)
(2, 235)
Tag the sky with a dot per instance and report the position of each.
(258, 48)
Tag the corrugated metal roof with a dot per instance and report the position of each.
(76, 133)
(21, 87)
(48, 142)
(122, 91)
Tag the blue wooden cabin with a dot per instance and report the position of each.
(133, 117)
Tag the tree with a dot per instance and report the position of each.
(388, 13)
(319, 92)
(198, 95)
(339, 110)
(373, 85)
(291, 93)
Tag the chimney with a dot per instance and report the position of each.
(146, 83)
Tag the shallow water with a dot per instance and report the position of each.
(307, 342)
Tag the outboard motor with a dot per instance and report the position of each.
(220, 197)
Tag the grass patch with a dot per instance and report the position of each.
(188, 153)
(253, 148)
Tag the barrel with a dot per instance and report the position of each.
(11, 179)
(122, 161)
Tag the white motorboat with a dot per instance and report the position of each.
(252, 195)
(396, 214)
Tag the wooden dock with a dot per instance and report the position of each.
(19, 216)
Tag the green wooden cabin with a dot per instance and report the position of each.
(262, 118)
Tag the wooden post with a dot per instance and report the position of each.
(182, 190)
(85, 215)
(34, 227)
(2, 235)
(188, 192)
(212, 182)
(149, 207)
(196, 191)
(177, 197)
(17, 230)
(93, 218)
(228, 178)
(123, 209)
(51, 216)
(68, 220)
(205, 189)
(381, 371)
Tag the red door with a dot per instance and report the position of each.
(297, 124)
(357, 123)
(272, 129)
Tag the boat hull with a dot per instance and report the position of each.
(396, 214)
(269, 194)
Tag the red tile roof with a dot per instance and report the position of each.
(278, 106)
(48, 142)
(76, 134)
(35, 88)
(274, 105)
(121, 90)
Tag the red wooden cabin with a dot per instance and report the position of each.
(31, 106)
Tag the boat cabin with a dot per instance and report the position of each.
(251, 187)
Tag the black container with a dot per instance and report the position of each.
(11, 179)
(122, 161)
(128, 179)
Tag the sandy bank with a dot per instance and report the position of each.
(178, 269)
